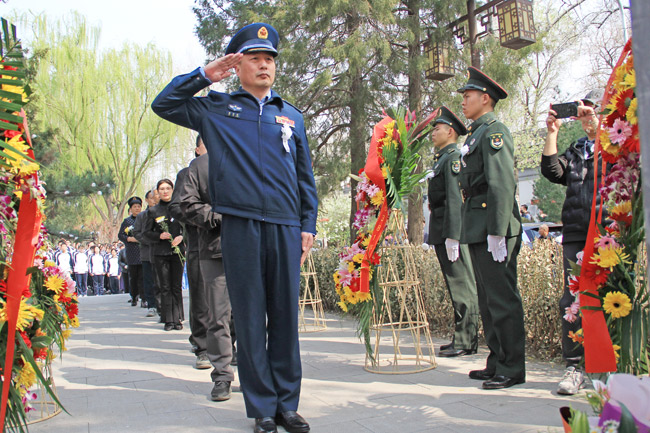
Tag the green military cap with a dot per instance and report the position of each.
(254, 37)
(477, 80)
(449, 118)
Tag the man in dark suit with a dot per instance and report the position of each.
(195, 206)
(263, 185)
(445, 203)
(492, 230)
(199, 311)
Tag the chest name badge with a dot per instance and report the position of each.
(284, 120)
(496, 141)
(234, 110)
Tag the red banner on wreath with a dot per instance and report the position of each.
(373, 171)
(27, 231)
(599, 350)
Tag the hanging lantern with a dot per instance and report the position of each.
(438, 66)
(516, 26)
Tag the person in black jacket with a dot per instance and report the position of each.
(124, 268)
(150, 291)
(574, 169)
(132, 249)
(199, 311)
(165, 232)
(195, 205)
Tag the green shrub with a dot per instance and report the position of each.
(540, 285)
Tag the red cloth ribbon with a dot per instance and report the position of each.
(27, 231)
(599, 351)
(373, 171)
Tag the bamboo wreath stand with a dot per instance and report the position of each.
(44, 407)
(402, 343)
(314, 321)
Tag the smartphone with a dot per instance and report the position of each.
(565, 110)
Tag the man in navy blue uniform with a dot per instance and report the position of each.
(261, 181)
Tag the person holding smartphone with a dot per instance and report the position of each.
(575, 170)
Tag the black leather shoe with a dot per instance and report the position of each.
(178, 326)
(265, 425)
(447, 346)
(292, 422)
(451, 352)
(484, 374)
(499, 382)
(169, 326)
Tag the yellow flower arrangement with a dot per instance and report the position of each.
(631, 113)
(19, 162)
(26, 378)
(617, 304)
(609, 257)
(55, 283)
(26, 314)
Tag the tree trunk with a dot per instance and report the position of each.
(415, 228)
(357, 126)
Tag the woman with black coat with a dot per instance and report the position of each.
(132, 249)
(165, 233)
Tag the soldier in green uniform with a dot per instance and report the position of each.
(492, 230)
(445, 223)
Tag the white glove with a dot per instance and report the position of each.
(452, 246)
(497, 246)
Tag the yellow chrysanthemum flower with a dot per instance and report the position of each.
(358, 258)
(347, 292)
(337, 277)
(607, 145)
(619, 76)
(609, 257)
(353, 299)
(622, 208)
(26, 376)
(350, 267)
(631, 113)
(366, 242)
(27, 313)
(49, 264)
(19, 163)
(617, 304)
(343, 306)
(377, 199)
(364, 296)
(55, 283)
(384, 172)
(74, 322)
(629, 82)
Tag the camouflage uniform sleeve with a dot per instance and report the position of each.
(498, 162)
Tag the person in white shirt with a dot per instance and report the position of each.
(81, 272)
(97, 271)
(64, 260)
(113, 272)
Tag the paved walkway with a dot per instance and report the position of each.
(123, 373)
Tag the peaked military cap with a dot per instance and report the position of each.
(449, 118)
(254, 37)
(133, 201)
(479, 81)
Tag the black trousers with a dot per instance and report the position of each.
(501, 308)
(571, 352)
(125, 279)
(221, 329)
(147, 284)
(199, 310)
(135, 281)
(170, 276)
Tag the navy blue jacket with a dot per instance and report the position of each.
(251, 174)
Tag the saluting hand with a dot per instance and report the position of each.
(222, 67)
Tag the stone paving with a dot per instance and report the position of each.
(123, 373)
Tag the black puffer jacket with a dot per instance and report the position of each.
(577, 174)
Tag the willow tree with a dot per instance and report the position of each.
(96, 106)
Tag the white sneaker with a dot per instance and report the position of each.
(571, 382)
(151, 312)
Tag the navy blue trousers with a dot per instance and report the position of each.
(262, 264)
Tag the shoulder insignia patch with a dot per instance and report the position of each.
(455, 166)
(496, 140)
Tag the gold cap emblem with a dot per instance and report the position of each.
(262, 33)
